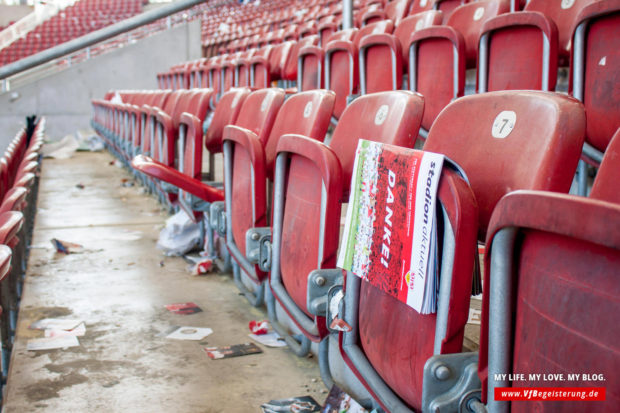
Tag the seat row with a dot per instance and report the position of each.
(76, 20)
(520, 50)
(279, 222)
(19, 180)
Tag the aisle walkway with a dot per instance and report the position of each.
(118, 287)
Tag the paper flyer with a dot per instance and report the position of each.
(390, 224)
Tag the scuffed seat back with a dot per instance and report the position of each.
(520, 140)
(552, 299)
(595, 73)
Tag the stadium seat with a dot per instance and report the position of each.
(318, 183)
(249, 154)
(518, 51)
(551, 287)
(502, 157)
(595, 61)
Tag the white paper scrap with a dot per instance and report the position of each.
(51, 343)
(189, 333)
(269, 339)
(54, 324)
(78, 331)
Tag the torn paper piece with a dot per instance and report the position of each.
(78, 331)
(232, 351)
(65, 247)
(189, 333)
(475, 316)
(183, 308)
(50, 343)
(259, 327)
(270, 339)
(303, 404)
(55, 324)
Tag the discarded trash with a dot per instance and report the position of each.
(62, 149)
(117, 163)
(235, 350)
(78, 331)
(270, 339)
(259, 327)
(65, 247)
(80, 186)
(475, 316)
(50, 343)
(301, 404)
(89, 141)
(55, 324)
(199, 264)
(183, 308)
(340, 402)
(126, 183)
(161, 263)
(179, 236)
(189, 333)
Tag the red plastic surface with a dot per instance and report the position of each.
(607, 183)
(435, 68)
(496, 166)
(165, 173)
(390, 117)
(567, 291)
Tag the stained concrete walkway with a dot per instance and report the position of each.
(119, 289)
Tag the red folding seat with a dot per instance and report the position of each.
(311, 183)
(341, 60)
(550, 299)
(563, 14)
(278, 59)
(501, 136)
(377, 49)
(194, 103)
(607, 183)
(518, 51)
(308, 28)
(395, 11)
(10, 226)
(290, 33)
(260, 74)
(595, 62)
(328, 26)
(249, 156)
(290, 72)
(448, 6)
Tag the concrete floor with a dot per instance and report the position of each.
(119, 289)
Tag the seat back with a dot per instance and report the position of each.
(258, 113)
(436, 68)
(313, 186)
(518, 51)
(290, 72)
(389, 117)
(225, 113)
(418, 6)
(468, 20)
(607, 183)
(498, 153)
(341, 73)
(412, 23)
(596, 64)
(447, 7)
(307, 113)
(553, 290)
(563, 14)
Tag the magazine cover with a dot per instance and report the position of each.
(390, 225)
